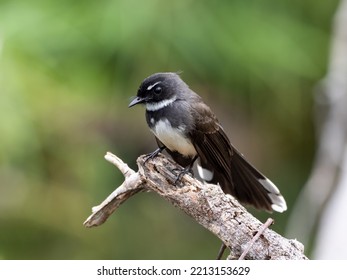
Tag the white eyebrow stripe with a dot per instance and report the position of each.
(152, 86)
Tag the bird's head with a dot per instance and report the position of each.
(159, 90)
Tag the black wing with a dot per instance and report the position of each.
(229, 168)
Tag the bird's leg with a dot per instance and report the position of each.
(155, 153)
(186, 170)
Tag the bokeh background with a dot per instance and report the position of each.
(67, 72)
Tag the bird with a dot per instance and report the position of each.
(185, 126)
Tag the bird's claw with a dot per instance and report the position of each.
(153, 154)
(182, 172)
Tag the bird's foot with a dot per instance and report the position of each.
(154, 154)
(186, 170)
(182, 172)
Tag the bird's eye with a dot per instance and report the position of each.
(157, 90)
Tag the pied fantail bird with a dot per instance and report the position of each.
(187, 128)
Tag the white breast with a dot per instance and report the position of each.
(173, 138)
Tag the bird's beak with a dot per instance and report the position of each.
(136, 100)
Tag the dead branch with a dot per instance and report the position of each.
(207, 204)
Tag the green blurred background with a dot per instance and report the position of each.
(67, 72)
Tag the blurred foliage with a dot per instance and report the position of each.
(67, 72)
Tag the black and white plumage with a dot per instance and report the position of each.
(187, 128)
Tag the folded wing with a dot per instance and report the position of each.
(221, 163)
